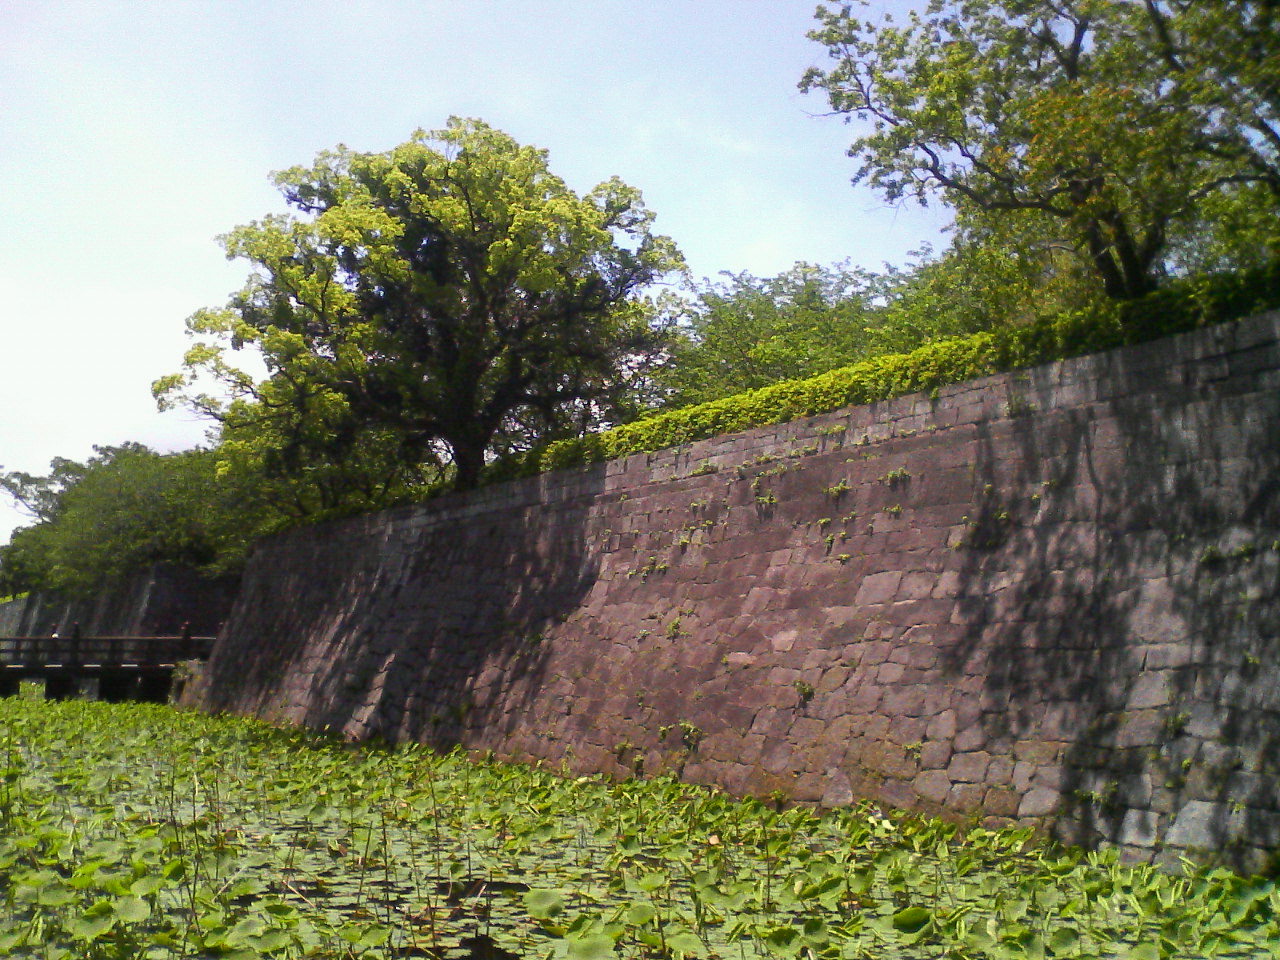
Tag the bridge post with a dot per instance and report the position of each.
(155, 687)
(117, 686)
(9, 683)
(63, 685)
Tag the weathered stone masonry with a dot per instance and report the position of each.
(1051, 596)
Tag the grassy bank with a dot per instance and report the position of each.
(139, 831)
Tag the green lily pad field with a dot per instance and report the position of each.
(139, 831)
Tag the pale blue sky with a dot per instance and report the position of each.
(132, 133)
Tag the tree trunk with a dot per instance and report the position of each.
(1123, 278)
(468, 464)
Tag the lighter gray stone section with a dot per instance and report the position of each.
(1138, 829)
(1150, 690)
(1205, 825)
(1039, 802)
(837, 791)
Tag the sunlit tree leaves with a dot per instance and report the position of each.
(1115, 123)
(439, 303)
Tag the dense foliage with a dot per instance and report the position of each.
(431, 306)
(137, 831)
(1177, 308)
(121, 510)
(1117, 131)
(747, 332)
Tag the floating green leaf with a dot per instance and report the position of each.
(591, 947)
(911, 919)
(543, 904)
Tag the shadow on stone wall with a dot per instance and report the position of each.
(1120, 584)
(434, 634)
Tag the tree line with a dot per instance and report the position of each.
(424, 311)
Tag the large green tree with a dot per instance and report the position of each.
(307, 455)
(447, 300)
(121, 510)
(1100, 126)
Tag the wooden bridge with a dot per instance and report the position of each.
(105, 668)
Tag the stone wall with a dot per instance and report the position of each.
(152, 603)
(1050, 597)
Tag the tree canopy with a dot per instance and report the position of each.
(1107, 127)
(745, 332)
(122, 509)
(1223, 59)
(439, 303)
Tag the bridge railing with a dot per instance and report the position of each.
(102, 651)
